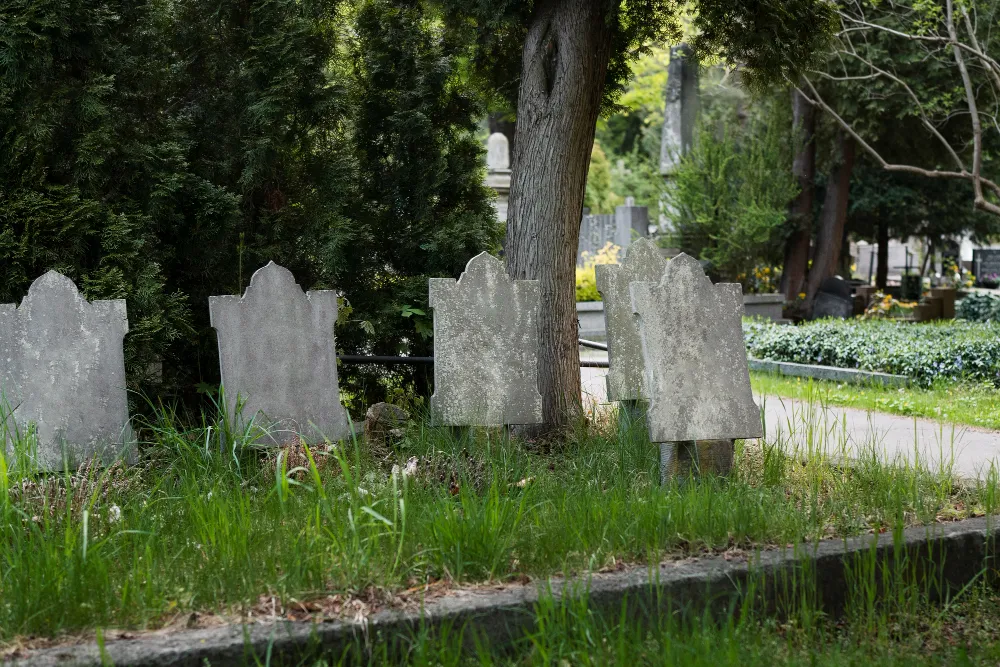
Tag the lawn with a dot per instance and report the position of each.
(208, 523)
(959, 403)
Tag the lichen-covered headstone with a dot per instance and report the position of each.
(696, 371)
(62, 374)
(642, 263)
(278, 358)
(485, 347)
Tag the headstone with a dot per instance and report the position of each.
(485, 347)
(278, 358)
(62, 370)
(833, 299)
(497, 152)
(631, 223)
(695, 361)
(498, 172)
(642, 263)
(986, 262)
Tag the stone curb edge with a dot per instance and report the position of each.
(954, 552)
(832, 373)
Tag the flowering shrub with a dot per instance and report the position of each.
(991, 281)
(761, 280)
(924, 352)
(884, 305)
(586, 276)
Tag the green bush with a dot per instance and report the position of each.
(924, 352)
(979, 307)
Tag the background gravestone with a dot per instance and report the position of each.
(62, 369)
(695, 361)
(833, 299)
(277, 355)
(485, 347)
(643, 263)
(985, 262)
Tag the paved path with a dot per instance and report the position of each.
(802, 427)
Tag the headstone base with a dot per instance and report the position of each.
(680, 460)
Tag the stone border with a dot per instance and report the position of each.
(711, 584)
(833, 373)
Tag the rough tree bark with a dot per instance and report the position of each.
(793, 275)
(882, 271)
(564, 64)
(833, 218)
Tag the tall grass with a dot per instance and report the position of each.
(210, 522)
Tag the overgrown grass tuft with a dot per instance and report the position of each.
(209, 522)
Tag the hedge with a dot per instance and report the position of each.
(958, 350)
(979, 307)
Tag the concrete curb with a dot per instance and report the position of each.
(833, 373)
(951, 555)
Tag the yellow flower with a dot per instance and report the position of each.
(802, 295)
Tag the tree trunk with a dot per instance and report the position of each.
(564, 64)
(833, 218)
(793, 275)
(882, 272)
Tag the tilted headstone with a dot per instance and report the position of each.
(693, 352)
(485, 347)
(62, 373)
(278, 358)
(643, 263)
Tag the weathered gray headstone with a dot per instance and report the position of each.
(631, 223)
(695, 361)
(643, 263)
(278, 357)
(485, 347)
(62, 372)
(498, 171)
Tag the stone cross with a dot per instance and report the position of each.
(62, 373)
(485, 347)
(278, 358)
(696, 371)
(642, 263)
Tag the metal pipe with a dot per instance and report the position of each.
(595, 346)
(361, 359)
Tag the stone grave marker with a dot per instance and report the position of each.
(643, 263)
(278, 357)
(485, 347)
(62, 372)
(695, 362)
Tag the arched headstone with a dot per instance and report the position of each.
(695, 361)
(62, 372)
(485, 347)
(643, 263)
(278, 357)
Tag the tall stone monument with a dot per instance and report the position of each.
(498, 171)
(680, 115)
(695, 362)
(62, 375)
(485, 347)
(642, 263)
(278, 358)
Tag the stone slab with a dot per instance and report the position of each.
(501, 616)
(850, 375)
(62, 370)
(278, 358)
(642, 263)
(695, 361)
(485, 347)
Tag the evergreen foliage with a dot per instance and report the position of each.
(730, 194)
(162, 152)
